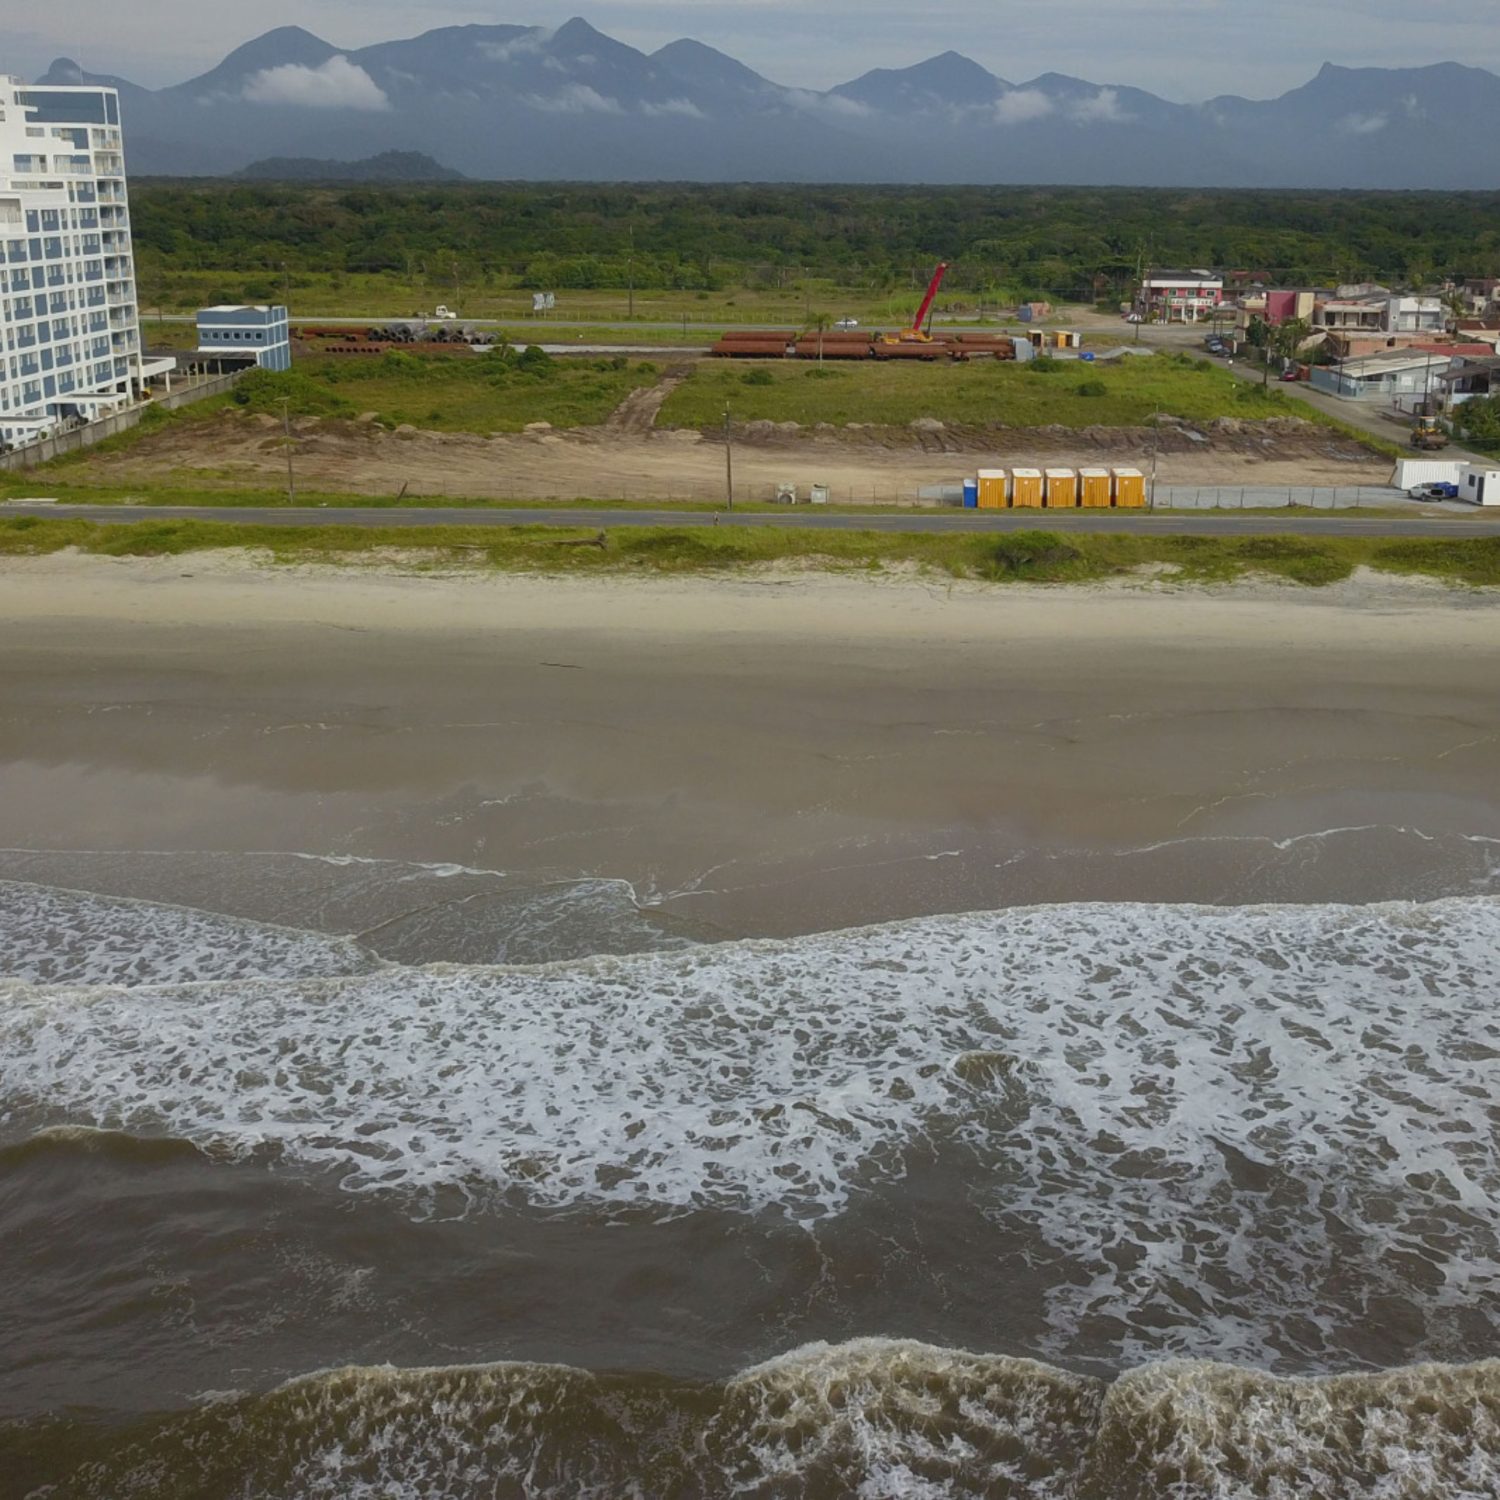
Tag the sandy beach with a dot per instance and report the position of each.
(757, 757)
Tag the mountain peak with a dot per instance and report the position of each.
(696, 62)
(949, 78)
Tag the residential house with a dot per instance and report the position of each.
(261, 334)
(1481, 295)
(1168, 296)
(1404, 378)
(1470, 378)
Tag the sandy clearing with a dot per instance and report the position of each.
(633, 464)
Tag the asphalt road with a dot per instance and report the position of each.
(1427, 524)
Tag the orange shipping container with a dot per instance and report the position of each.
(1026, 487)
(1062, 489)
(992, 489)
(1096, 487)
(1130, 489)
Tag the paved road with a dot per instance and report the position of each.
(1368, 416)
(1426, 523)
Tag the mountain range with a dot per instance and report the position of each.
(525, 102)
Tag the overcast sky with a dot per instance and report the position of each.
(1181, 49)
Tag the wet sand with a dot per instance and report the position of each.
(758, 757)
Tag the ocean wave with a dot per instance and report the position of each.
(53, 936)
(1212, 1125)
(874, 1418)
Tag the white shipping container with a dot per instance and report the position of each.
(1411, 471)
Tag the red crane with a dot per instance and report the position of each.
(916, 334)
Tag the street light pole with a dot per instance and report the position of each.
(728, 462)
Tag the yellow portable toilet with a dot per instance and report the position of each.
(992, 489)
(1062, 489)
(1096, 487)
(1130, 489)
(1026, 487)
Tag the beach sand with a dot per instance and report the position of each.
(755, 756)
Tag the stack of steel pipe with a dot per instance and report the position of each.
(769, 343)
(834, 345)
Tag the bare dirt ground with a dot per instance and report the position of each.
(627, 458)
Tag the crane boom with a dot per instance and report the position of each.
(914, 334)
(927, 301)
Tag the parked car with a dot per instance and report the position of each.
(1134, 318)
(847, 323)
(1432, 492)
(1290, 376)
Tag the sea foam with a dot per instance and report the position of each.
(1214, 1121)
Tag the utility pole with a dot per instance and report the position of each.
(631, 312)
(1155, 448)
(728, 462)
(455, 287)
(286, 424)
(286, 284)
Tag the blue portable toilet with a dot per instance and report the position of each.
(971, 494)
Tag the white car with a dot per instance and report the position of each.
(1134, 318)
(847, 323)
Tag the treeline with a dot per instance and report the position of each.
(1056, 242)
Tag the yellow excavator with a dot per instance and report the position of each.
(1427, 435)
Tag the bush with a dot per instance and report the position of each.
(757, 377)
(535, 361)
(1031, 554)
(1093, 388)
(1044, 364)
(265, 390)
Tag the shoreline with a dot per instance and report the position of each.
(759, 756)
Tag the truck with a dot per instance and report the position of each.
(1427, 435)
(443, 315)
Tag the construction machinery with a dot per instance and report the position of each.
(1427, 435)
(917, 333)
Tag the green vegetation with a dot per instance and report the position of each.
(1122, 394)
(497, 392)
(782, 251)
(1478, 423)
(1017, 556)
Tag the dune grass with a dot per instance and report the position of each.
(1010, 557)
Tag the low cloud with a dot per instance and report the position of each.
(1363, 124)
(575, 99)
(521, 46)
(1102, 109)
(674, 107)
(336, 84)
(829, 104)
(1021, 105)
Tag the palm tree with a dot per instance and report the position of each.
(822, 321)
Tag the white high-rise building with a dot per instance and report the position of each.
(70, 343)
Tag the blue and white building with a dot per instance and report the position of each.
(263, 332)
(70, 344)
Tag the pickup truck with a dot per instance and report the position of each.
(443, 315)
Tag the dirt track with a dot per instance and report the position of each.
(627, 459)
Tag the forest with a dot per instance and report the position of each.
(250, 240)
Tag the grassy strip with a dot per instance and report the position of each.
(1022, 556)
(1126, 393)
